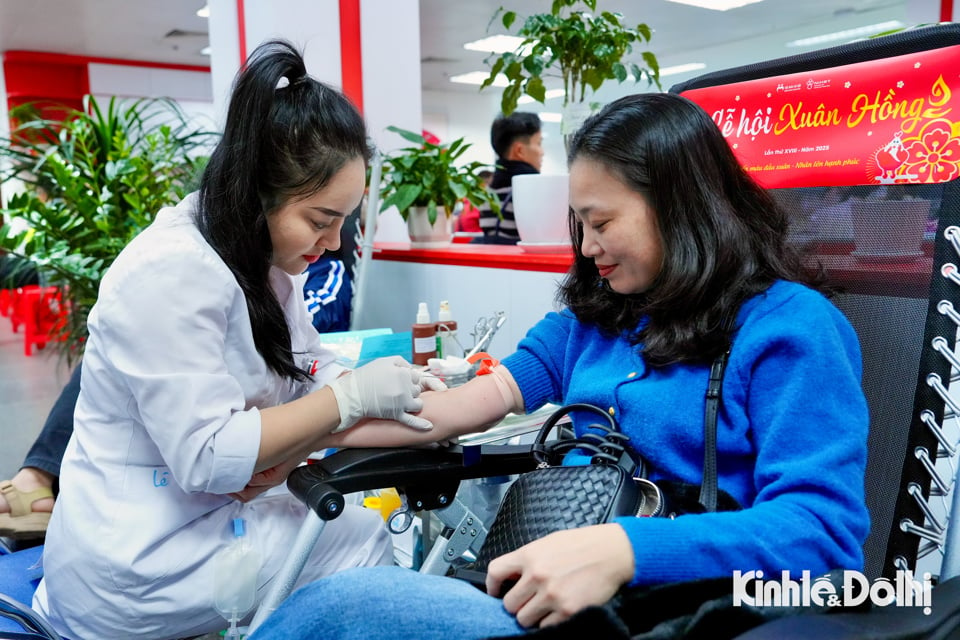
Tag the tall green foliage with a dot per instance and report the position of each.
(583, 47)
(92, 182)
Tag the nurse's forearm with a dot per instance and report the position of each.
(295, 429)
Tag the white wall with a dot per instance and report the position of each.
(395, 288)
(312, 26)
(140, 81)
(390, 37)
(192, 90)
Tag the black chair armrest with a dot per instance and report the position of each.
(428, 477)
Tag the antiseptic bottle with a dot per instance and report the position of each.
(424, 337)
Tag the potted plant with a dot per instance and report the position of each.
(585, 49)
(425, 184)
(87, 184)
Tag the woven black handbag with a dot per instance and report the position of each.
(554, 497)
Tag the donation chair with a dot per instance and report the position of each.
(895, 275)
(856, 143)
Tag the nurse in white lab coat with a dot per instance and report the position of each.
(204, 382)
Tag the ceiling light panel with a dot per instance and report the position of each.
(477, 77)
(495, 44)
(848, 34)
(550, 95)
(716, 5)
(681, 68)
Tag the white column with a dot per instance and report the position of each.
(390, 38)
(4, 123)
(313, 26)
(224, 53)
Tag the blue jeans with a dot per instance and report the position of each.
(388, 603)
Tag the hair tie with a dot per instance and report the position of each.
(285, 82)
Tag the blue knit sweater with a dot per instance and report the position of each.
(791, 435)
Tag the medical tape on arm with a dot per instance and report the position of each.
(507, 386)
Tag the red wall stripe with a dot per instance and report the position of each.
(71, 59)
(946, 10)
(351, 59)
(477, 255)
(50, 79)
(242, 32)
(33, 78)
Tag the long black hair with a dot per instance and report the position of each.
(723, 236)
(286, 136)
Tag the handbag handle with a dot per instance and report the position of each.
(614, 441)
(551, 422)
(611, 447)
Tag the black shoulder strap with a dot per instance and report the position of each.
(708, 490)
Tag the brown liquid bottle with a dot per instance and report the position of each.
(424, 337)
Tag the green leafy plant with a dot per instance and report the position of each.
(90, 183)
(587, 49)
(427, 175)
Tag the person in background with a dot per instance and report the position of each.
(328, 290)
(469, 219)
(26, 500)
(204, 384)
(327, 294)
(679, 257)
(518, 142)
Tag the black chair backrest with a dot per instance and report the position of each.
(861, 143)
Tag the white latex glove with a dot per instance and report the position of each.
(385, 388)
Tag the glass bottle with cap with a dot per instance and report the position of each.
(424, 337)
(447, 344)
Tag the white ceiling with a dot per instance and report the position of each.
(170, 31)
(682, 33)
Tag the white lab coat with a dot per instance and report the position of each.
(166, 424)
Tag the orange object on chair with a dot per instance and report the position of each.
(41, 311)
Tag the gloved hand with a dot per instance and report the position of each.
(385, 388)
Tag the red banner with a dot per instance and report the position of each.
(888, 121)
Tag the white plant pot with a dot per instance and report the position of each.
(888, 230)
(423, 235)
(573, 115)
(540, 206)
